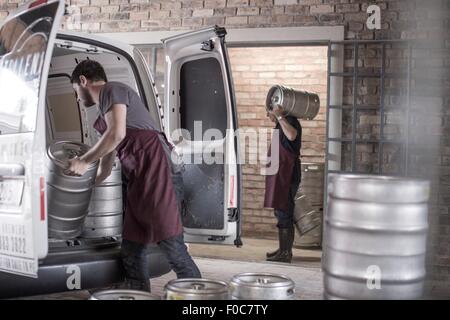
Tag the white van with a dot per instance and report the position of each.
(38, 107)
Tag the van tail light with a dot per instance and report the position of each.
(42, 197)
(232, 191)
(36, 3)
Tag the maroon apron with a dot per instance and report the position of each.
(278, 184)
(151, 213)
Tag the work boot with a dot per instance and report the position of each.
(286, 238)
(276, 252)
(272, 254)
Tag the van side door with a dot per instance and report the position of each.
(201, 121)
(26, 44)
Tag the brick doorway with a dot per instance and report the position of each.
(255, 71)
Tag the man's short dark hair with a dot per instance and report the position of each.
(91, 69)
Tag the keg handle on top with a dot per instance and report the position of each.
(198, 286)
(71, 152)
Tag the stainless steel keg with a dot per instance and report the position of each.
(296, 103)
(105, 215)
(67, 196)
(305, 217)
(120, 294)
(196, 289)
(375, 237)
(262, 286)
(309, 215)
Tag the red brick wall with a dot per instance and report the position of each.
(151, 15)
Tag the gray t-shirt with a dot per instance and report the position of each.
(138, 116)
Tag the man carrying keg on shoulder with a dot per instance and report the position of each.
(282, 186)
(152, 209)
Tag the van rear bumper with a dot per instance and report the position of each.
(65, 271)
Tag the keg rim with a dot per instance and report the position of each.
(172, 286)
(61, 163)
(237, 280)
(105, 293)
(269, 106)
(383, 189)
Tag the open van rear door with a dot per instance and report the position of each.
(200, 120)
(26, 43)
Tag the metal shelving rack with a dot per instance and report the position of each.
(382, 75)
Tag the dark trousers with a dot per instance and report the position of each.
(174, 248)
(285, 219)
(179, 258)
(135, 259)
(135, 255)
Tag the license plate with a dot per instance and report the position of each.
(11, 191)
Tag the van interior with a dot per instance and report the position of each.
(69, 120)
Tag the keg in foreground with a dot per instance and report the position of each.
(195, 289)
(296, 103)
(105, 215)
(68, 196)
(120, 294)
(261, 286)
(375, 243)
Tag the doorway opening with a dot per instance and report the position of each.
(255, 70)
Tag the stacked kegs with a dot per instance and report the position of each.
(375, 237)
(68, 196)
(309, 205)
(105, 215)
(196, 289)
(305, 217)
(295, 103)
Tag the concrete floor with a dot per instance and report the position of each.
(308, 280)
(223, 262)
(254, 250)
